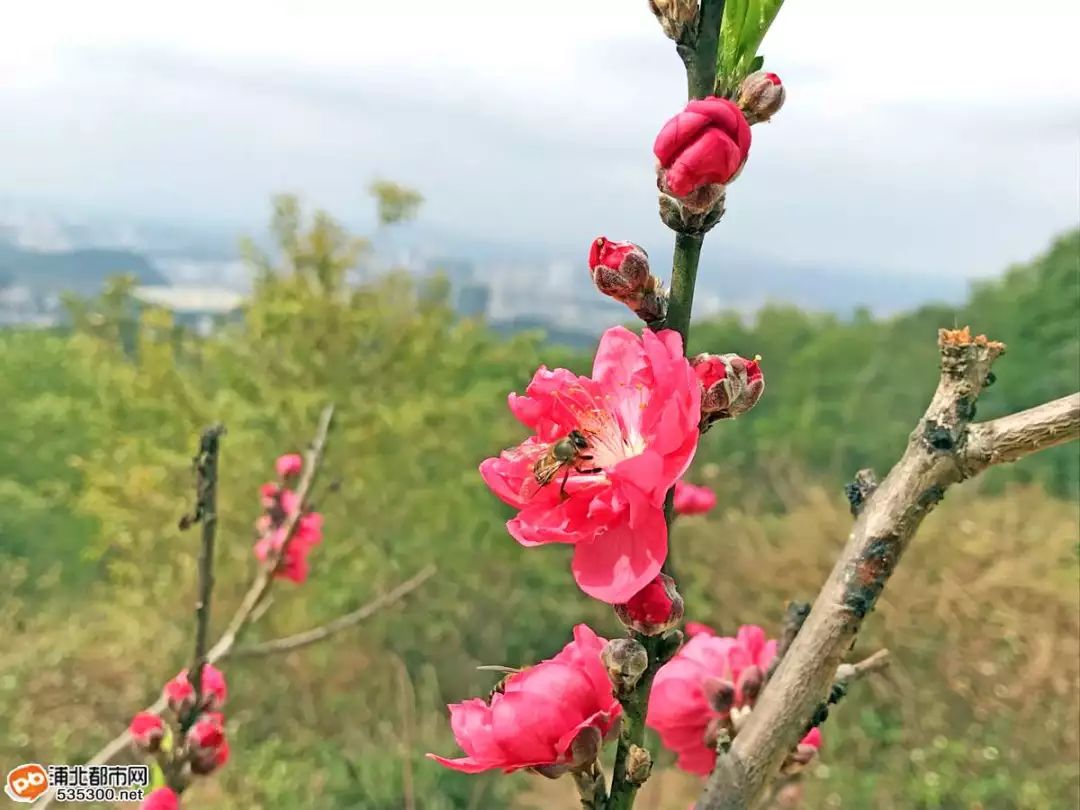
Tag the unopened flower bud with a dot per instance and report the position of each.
(621, 270)
(698, 152)
(654, 609)
(730, 385)
(749, 687)
(625, 660)
(208, 761)
(675, 16)
(147, 731)
(206, 739)
(761, 96)
(206, 733)
(180, 695)
(720, 693)
(638, 765)
(694, 214)
(289, 465)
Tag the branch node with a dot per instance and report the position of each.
(858, 492)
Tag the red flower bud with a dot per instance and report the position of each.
(654, 609)
(179, 694)
(621, 270)
(147, 731)
(731, 385)
(207, 732)
(706, 143)
(206, 739)
(210, 760)
(761, 96)
(289, 465)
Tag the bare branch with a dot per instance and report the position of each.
(941, 451)
(1010, 438)
(264, 580)
(206, 480)
(255, 595)
(325, 631)
(849, 673)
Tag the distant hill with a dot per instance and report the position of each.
(81, 271)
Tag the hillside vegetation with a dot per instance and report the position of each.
(102, 422)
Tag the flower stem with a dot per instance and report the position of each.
(680, 303)
(700, 60)
(683, 279)
(632, 731)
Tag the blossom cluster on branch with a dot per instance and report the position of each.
(601, 470)
(188, 739)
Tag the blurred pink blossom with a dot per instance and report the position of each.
(691, 499)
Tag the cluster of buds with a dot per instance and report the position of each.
(730, 385)
(676, 17)
(188, 740)
(281, 506)
(702, 149)
(620, 270)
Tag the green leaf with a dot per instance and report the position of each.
(157, 777)
(744, 27)
(757, 64)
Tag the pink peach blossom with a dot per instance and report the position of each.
(539, 713)
(697, 629)
(294, 564)
(289, 465)
(691, 499)
(161, 799)
(706, 143)
(638, 414)
(680, 709)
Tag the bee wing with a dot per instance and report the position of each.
(543, 472)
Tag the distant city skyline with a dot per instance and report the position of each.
(920, 139)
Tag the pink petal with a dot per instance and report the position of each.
(620, 562)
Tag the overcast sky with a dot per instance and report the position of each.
(924, 136)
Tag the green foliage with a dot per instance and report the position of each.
(843, 394)
(396, 203)
(743, 28)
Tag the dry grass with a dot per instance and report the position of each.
(983, 618)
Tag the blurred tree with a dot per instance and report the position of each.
(396, 203)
